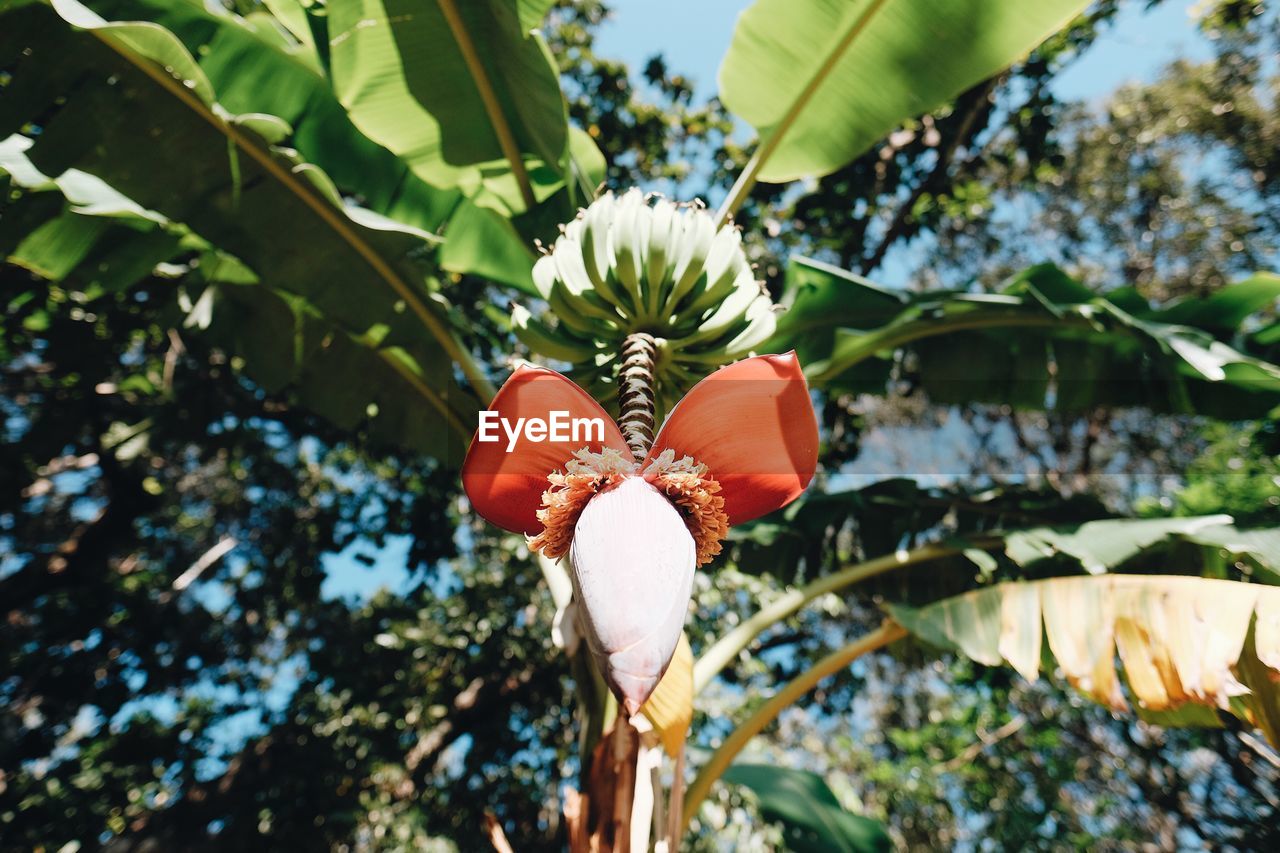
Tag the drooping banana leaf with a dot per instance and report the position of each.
(532, 12)
(251, 74)
(384, 383)
(102, 256)
(1205, 546)
(77, 229)
(890, 515)
(305, 24)
(1224, 311)
(822, 80)
(1107, 544)
(375, 382)
(235, 54)
(1044, 341)
(1190, 648)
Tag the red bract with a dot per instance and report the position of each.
(742, 443)
(506, 488)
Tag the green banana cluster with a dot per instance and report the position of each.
(627, 265)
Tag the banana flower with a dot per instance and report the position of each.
(742, 443)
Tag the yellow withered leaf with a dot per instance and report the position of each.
(1020, 634)
(670, 707)
(1188, 646)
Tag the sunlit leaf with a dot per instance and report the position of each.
(234, 58)
(161, 152)
(1099, 545)
(822, 80)
(453, 88)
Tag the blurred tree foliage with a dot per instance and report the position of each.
(177, 676)
(1237, 473)
(1168, 186)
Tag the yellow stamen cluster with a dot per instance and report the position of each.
(685, 482)
(688, 485)
(584, 475)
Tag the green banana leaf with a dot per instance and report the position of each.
(889, 515)
(812, 818)
(236, 58)
(1103, 545)
(1209, 546)
(822, 80)
(369, 384)
(303, 25)
(1045, 341)
(121, 116)
(1225, 310)
(532, 12)
(461, 91)
(235, 54)
(102, 256)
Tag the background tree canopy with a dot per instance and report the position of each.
(250, 320)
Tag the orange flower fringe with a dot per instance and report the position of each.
(584, 475)
(685, 483)
(688, 485)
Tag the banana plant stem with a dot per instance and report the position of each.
(722, 653)
(636, 397)
(627, 800)
(720, 760)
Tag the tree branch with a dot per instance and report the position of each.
(980, 104)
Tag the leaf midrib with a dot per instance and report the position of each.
(770, 144)
(489, 97)
(846, 40)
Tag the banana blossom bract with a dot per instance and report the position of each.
(742, 443)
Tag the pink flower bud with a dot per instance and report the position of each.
(632, 563)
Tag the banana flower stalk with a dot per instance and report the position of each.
(742, 443)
